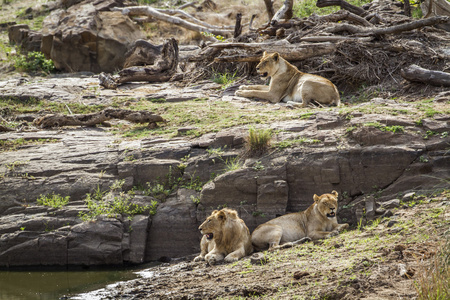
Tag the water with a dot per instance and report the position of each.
(53, 284)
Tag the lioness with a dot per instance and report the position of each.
(289, 84)
(317, 222)
(225, 235)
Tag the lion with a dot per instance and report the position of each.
(289, 85)
(225, 237)
(317, 222)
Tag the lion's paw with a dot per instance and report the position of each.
(199, 258)
(333, 233)
(230, 259)
(343, 226)
(212, 259)
(239, 93)
(244, 87)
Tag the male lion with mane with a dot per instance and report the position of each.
(225, 237)
(317, 222)
(288, 84)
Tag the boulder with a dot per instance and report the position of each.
(83, 38)
(96, 243)
(174, 231)
(27, 40)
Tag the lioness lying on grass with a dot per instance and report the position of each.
(317, 222)
(288, 84)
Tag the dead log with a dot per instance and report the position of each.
(342, 4)
(415, 73)
(153, 13)
(291, 52)
(164, 68)
(57, 120)
(142, 53)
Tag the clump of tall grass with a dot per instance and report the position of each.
(258, 140)
(433, 282)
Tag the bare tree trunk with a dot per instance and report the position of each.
(269, 8)
(417, 74)
(407, 7)
(285, 12)
(238, 26)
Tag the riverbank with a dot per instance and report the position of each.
(386, 259)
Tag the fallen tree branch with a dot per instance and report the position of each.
(342, 4)
(360, 31)
(334, 39)
(345, 15)
(57, 120)
(412, 25)
(415, 73)
(151, 12)
(5, 128)
(193, 19)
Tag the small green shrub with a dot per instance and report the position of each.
(111, 208)
(232, 164)
(53, 200)
(225, 79)
(34, 62)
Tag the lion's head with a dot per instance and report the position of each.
(268, 65)
(213, 225)
(327, 204)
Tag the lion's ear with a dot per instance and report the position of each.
(221, 215)
(265, 54)
(316, 198)
(275, 56)
(335, 193)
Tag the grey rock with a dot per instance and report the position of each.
(409, 196)
(174, 230)
(391, 223)
(95, 243)
(370, 208)
(394, 203)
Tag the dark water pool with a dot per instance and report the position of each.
(53, 284)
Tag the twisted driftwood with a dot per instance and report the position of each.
(56, 120)
(164, 68)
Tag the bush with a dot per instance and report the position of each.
(53, 200)
(34, 62)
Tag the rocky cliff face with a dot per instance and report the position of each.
(366, 165)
